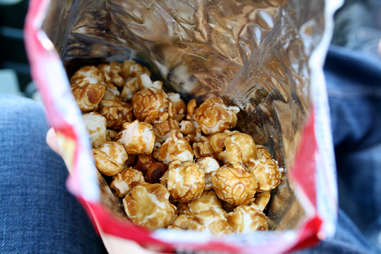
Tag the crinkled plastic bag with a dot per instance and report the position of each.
(264, 56)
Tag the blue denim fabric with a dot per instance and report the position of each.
(38, 215)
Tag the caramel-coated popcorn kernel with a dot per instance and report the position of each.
(123, 182)
(133, 69)
(202, 148)
(247, 219)
(265, 170)
(261, 200)
(87, 75)
(186, 181)
(234, 185)
(177, 107)
(153, 170)
(207, 201)
(112, 73)
(88, 95)
(162, 129)
(147, 205)
(96, 126)
(214, 116)
(175, 147)
(110, 158)
(137, 137)
(112, 93)
(210, 166)
(150, 105)
(116, 113)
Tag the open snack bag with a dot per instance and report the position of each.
(193, 125)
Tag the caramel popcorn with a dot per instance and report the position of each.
(203, 148)
(131, 86)
(112, 73)
(152, 169)
(186, 181)
(133, 69)
(217, 141)
(234, 185)
(111, 93)
(147, 205)
(191, 108)
(261, 200)
(87, 75)
(88, 95)
(214, 116)
(116, 113)
(110, 158)
(210, 166)
(96, 126)
(176, 108)
(265, 170)
(150, 105)
(247, 219)
(239, 148)
(174, 148)
(137, 137)
(162, 129)
(123, 182)
(207, 201)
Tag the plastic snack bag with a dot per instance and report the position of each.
(265, 57)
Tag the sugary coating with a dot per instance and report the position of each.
(186, 181)
(162, 129)
(214, 116)
(234, 185)
(112, 93)
(131, 86)
(110, 158)
(150, 105)
(116, 113)
(96, 126)
(111, 135)
(132, 69)
(210, 166)
(208, 220)
(88, 95)
(261, 200)
(153, 170)
(137, 137)
(239, 148)
(265, 170)
(147, 205)
(202, 148)
(176, 109)
(164, 179)
(187, 127)
(207, 201)
(112, 73)
(191, 108)
(247, 219)
(175, 148)
(87, 75)
(123, 182)
(217, 141)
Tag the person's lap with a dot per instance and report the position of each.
(39, 215)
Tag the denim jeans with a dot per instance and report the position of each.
(38, 215)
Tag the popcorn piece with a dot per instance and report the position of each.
(87, 75)
(137, 137)
(247, 219)
(112, 93)
(207, 201)
(239, 147)
(210, 166)
(164, 179)
(162, 129)
(176, 108)
(152, 169)
(174, 148)
(116, 113)
(187, 127)
(261, 200)
(96, 126)
(112, 73)
(110, 158)
(150, 105)
(208, 220)
(265, 170)
(133, 69)
(186, 181)
(123, 182)
(234, 185)
(131, 86)
(217, 141)
(147, 205)
(191, 108)
(88, 95)
(203, 148)
(214, 116)
(111, 135)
